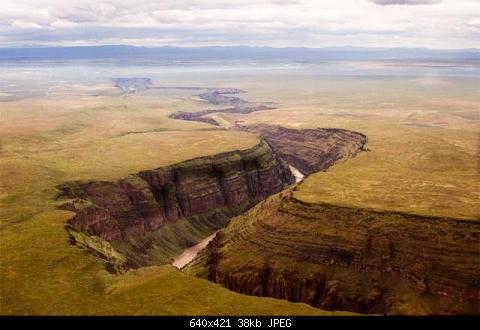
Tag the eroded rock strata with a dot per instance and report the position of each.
(209, 188)
(341, 258)
(151, 216)
(310, 150)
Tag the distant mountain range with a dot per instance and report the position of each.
(234, 53)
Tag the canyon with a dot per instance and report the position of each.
(203, 192)
(101, 215)
(151, 216)
(262, 240)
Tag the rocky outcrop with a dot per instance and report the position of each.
(225, 184)
(341, 258)
(310, 150)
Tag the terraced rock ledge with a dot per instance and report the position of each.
(152, 215)
(351, 259)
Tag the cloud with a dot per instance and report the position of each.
(25, 25)
(279, 23)
(285, 2)
(405, 2)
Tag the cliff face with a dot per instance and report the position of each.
(128, 209)
(340, 258)
(310, 150)
(150, 216)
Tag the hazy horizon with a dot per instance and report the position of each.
(201, 55)
(343, 47)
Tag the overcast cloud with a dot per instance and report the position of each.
(278, 23)
(405, 2)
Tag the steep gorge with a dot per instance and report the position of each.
(151, 216)
(197, 196)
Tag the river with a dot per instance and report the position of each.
(190, 253)
(296, 173)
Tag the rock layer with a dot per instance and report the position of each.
(341, 258)
(310, 150)
(193, 199)
(145, 201)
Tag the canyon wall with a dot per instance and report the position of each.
(340, 258)
(207, 188)
(310, 150)
(152, 215)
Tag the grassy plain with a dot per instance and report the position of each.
(47, 141)
(423, 142)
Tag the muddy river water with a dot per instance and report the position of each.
(190, 253)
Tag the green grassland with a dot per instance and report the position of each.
(423, 143)
(48, 141)
(414, 172)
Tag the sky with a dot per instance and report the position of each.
(445, 24)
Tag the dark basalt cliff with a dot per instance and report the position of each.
(350, 259)
(222, 186)
(310, 150)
